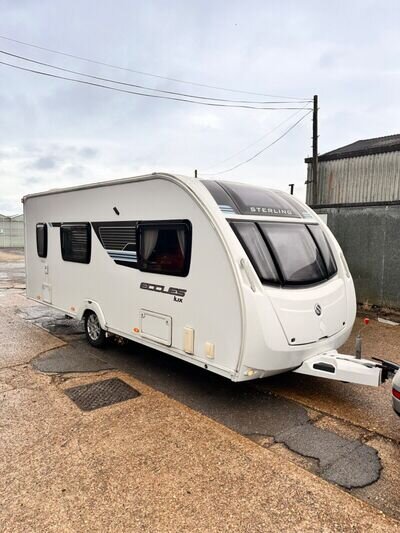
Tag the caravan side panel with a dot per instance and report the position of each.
(211, 305)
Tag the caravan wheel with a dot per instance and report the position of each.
(94, 333)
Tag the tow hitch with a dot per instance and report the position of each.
(339, 367)
(389, 368)
(349, 368)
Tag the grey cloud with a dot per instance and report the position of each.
(88, 152)
(75, 171)
(44, 163)
(32, 180)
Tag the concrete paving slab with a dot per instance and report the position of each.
(250, 412)
(21, 341)
(343, 428)
(26, 417)
(14, 298)
(385, 492)
(155, 465)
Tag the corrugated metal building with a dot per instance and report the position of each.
(358, 193)
(364, 171)
(12, 231)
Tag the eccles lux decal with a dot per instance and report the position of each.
(178, 294)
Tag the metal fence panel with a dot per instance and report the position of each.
(370, 239)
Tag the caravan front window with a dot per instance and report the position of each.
(165, 247)
(298, 256)
(286, 253)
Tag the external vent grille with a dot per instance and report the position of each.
(118, 237)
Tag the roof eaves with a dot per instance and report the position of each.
(336, 154)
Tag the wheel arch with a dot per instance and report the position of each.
(91, 305)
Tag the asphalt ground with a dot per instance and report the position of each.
(344, 433)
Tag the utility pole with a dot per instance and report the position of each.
(291, 186)
(195, 173)
(315, 152)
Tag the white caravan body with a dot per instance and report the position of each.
(256, 284)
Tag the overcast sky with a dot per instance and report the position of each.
(56, 133)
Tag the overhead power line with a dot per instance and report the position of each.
(109, 80)
(137, 93)
(256, 141)
(262, 150)
(142, 73)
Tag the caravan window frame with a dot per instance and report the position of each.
(69, 256)
(283, 281)
(255, 249)
(164, 225)
(42, 239)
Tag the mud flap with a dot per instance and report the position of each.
(339, 367)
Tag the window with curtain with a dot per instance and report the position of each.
(165, 247)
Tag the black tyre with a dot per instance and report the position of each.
(95, 335)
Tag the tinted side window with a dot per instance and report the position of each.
(41, 239)
(76, 242)
(165, 247)
(325, 249)
(256, 249)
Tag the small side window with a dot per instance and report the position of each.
(41, 239)
(325, 249)
(165, 247)
(76, 242)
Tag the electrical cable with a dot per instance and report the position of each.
(263, 150)
(158, 96)
(175, 80)
(257, 141)
(109, 80)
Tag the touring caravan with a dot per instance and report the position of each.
(241, 280)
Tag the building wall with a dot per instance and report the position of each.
(370, 239)
(12, 232)
(370, 178)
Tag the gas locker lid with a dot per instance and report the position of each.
(310, 314)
